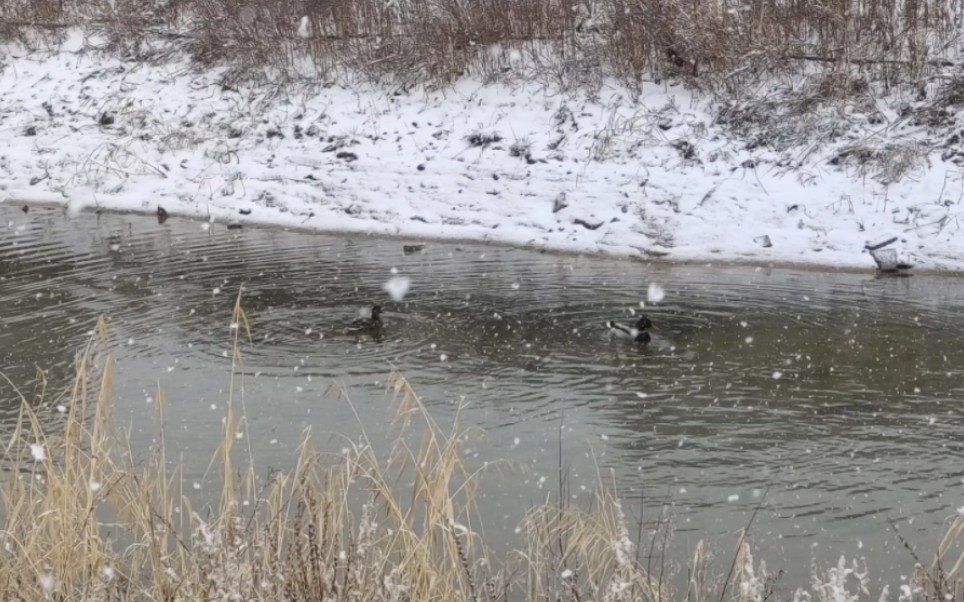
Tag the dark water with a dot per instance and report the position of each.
(839, 394)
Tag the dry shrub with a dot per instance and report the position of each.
(712, 44)
(32, 21)
(125, 25)
(886, 163)
(247, 34)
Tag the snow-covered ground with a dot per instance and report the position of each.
(651, 177)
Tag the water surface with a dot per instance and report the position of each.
(836, 393)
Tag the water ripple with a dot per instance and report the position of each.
(840, 392)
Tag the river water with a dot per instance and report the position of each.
(837, 394)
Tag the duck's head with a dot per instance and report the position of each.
(376, 311)
(643, 323)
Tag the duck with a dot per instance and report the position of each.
(637, 333)
(372, 324)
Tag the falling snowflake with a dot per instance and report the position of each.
(48, 583)
(655, 293)
(38, 452)
(397, 287)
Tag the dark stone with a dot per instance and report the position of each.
(559, 203)
(686, 150)
(586, 224)
(106, 119)
(479, 139)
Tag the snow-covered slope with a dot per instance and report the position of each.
(650, 177)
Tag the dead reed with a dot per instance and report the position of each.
(714, 44)
(83, 520)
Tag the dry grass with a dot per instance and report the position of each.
(83, 520)
(785, 73)
(718, 44)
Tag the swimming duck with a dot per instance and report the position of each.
(637, 333)
(372, 324)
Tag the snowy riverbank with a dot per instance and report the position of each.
(513, 163)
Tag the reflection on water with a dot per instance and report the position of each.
(838, 392)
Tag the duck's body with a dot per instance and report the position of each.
(636, 333)
(371, 324)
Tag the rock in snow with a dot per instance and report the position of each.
(763, 241)
(559, 203)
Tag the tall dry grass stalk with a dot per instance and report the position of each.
(84, 519)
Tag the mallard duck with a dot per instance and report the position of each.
(372, 324)
(637, 333)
